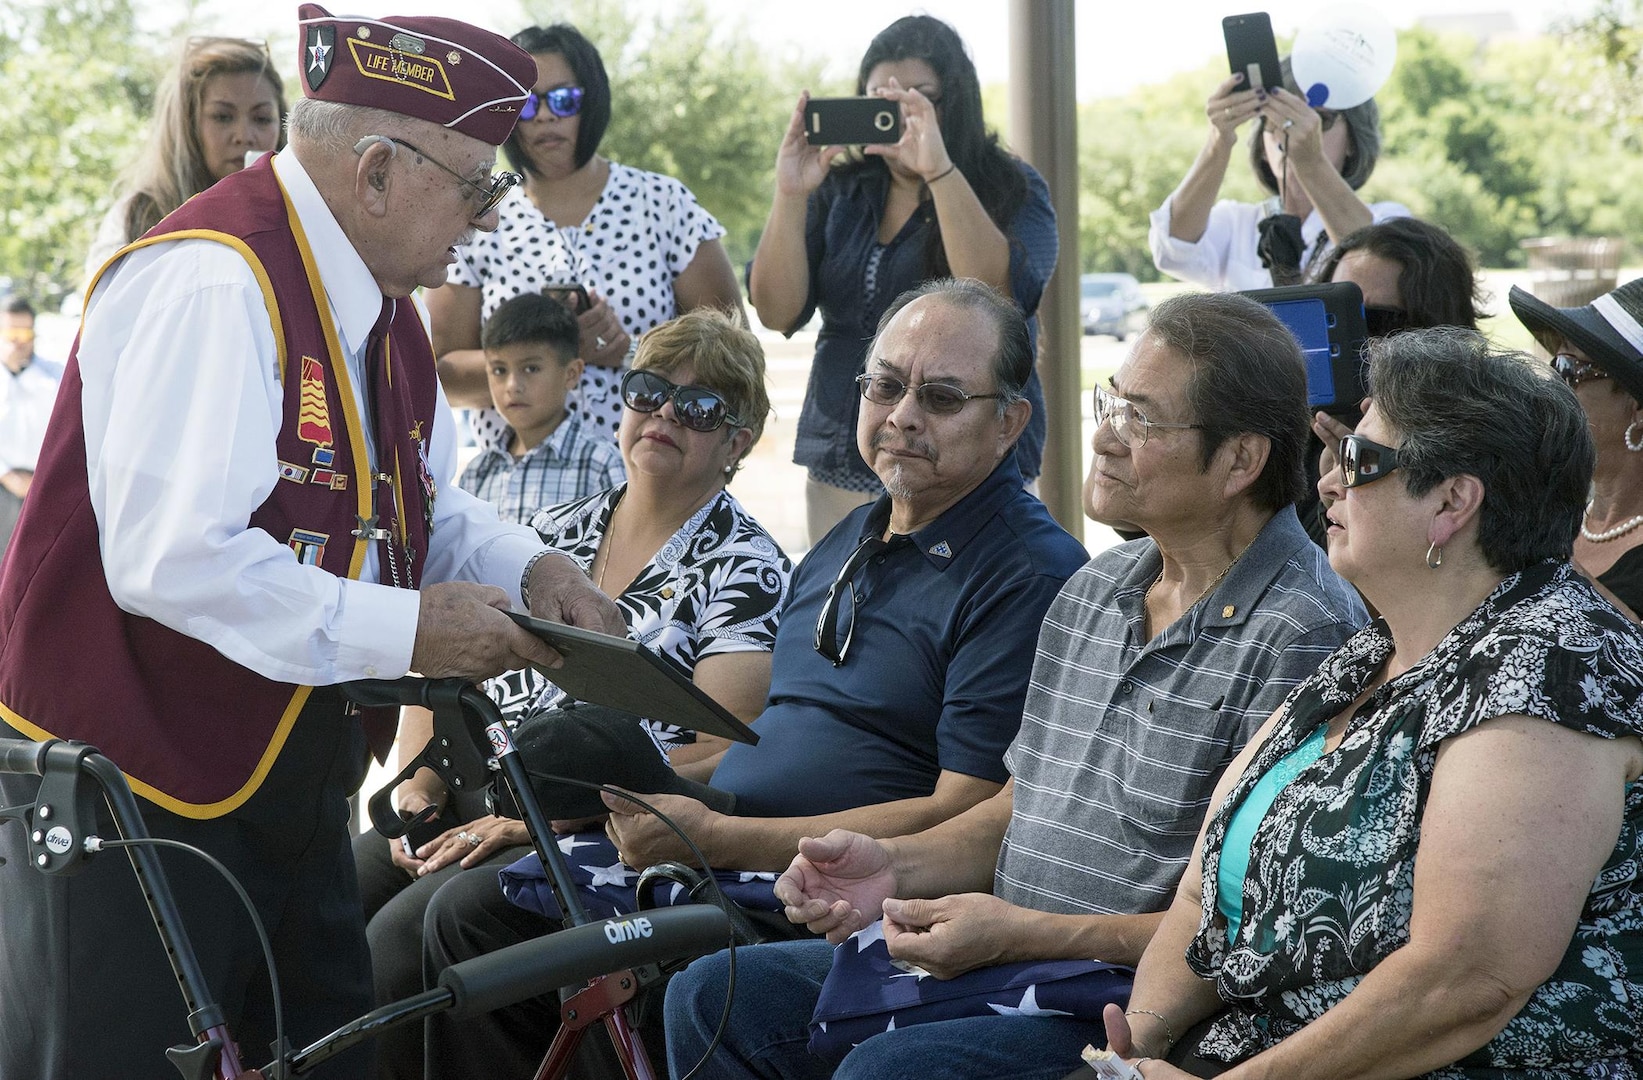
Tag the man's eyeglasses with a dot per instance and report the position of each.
(487, 197)
(828, 642)
(1128, 423)
(942, 399)
(562, 101)
(1575, 371)
(696, 407)
(1363, 461)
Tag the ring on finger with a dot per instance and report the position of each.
(1288, 124)
(598, 342)
(468, 838)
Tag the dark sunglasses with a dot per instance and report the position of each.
(828, 642)
(1381, 321)
(943, 399)
(696, 407)
(562, 101)
(1363, 461)
(1574, 372)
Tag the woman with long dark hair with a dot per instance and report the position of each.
(947, 200)
(637, 243)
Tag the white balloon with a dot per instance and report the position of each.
(1343, 56)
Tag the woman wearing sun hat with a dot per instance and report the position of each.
(1598, 350)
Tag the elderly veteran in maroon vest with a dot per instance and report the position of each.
(243, 500)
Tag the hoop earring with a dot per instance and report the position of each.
(1634, 436)
(1434, 556)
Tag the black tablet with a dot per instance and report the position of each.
(1328, 320)
(623, 674)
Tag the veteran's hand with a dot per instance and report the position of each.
(461, 631)
(560, 592)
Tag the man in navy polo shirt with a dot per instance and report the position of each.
(901, 664)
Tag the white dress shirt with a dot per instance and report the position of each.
(182, 405)
(26, 400)
(1224, 259)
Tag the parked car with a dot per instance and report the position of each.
(1111, 304)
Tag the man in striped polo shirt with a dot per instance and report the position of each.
(1156, 663)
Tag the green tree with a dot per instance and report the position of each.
(79, 76)
(696, 99)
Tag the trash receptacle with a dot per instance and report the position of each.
(1569, 272)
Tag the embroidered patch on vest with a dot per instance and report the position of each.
(294, 473)
(309, 545)
(313, 415)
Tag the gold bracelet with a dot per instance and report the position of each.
(942, 176)
(1169, 1032)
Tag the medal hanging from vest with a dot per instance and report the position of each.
(386, 524)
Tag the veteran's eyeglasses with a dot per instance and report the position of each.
(1574, 371)
(1363, 460)
(1129, 423)
(695, 407)
(943, 399)
(562, 101)
(486, 197)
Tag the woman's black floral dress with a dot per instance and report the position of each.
(1330, 884)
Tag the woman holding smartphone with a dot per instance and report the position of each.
(946, 200)
(1310, 161)
(638, 243)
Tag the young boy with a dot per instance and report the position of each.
(545, 456)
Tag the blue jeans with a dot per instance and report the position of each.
(776, 990)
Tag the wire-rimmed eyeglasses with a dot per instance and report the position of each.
(487, 196)
(1129, 423)
(943, 399)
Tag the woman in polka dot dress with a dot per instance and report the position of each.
(638, 242)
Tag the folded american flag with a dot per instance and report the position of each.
(867, 992)
(607, 883)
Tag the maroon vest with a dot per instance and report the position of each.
(192, 730)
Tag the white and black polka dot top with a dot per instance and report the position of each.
(638, 238)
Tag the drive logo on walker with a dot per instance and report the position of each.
(620, 930)
(59, 840)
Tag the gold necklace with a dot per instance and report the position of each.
(1222, 576)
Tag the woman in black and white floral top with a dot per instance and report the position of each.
(639, 243)
(1430, 863)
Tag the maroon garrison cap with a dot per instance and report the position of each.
(446, 72)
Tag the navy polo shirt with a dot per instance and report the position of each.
(936, 674)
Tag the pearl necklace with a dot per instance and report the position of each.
(1608, 534)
